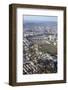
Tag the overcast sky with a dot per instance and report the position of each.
(28, 18)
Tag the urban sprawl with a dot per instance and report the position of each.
(40, 48)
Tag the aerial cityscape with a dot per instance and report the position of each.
(39, 44)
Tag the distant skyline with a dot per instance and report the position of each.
(38, 18)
